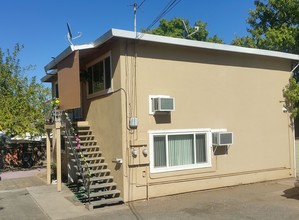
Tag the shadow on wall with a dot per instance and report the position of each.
(220, 150)
(162, 117)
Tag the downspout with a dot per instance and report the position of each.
(293, 131)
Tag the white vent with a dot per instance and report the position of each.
(163, 104)
(222, 138)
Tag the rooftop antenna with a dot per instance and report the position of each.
(135, 16)
(70, 37)
(186, 32)
(136, 7)
(292, 72)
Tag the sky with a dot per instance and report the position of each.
(40, 25)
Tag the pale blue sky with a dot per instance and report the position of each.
(40, 25)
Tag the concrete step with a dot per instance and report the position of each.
(102, 202)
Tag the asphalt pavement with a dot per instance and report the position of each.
(268, 200)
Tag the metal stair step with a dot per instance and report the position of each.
(98, 178)
(80, 131)
(82, 147)
(97, 165)
(91, 152)
(92, 165)
(102, 185)
(93, 158)
(86, 136)
(90, 159)
(83, 141)
(104, 193)
(88, 153)
(81, 124)
(97, 171)
(89, 146)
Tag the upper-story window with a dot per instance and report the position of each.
(99, 79)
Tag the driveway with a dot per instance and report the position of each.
(18, 204)
(268, 200)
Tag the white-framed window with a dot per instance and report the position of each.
(99, 76)
(173, 150)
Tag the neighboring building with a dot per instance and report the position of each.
(156, 104)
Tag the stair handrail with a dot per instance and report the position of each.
(71, 132)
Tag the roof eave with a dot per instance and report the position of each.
(202, 44)
(166, 40)
(68, 51)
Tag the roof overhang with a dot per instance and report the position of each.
(116, 33)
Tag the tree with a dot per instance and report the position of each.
(291, 96)
(274, 25)
(175, 28)
(22, 100)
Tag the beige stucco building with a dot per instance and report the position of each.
(151, 150)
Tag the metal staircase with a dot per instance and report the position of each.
(94, 180)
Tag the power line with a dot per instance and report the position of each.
(141, 4)
(170, 5)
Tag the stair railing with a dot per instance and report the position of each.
(78, 154)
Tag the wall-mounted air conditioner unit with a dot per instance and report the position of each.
(163, 104)
(222, 138)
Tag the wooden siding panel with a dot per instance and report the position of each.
(69, 82)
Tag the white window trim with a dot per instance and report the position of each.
(105, 91)
(208, 164)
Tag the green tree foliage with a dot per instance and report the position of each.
(273, 26)
(291, 96)
(22, 100)
(175, 28)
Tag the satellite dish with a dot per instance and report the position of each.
(186, 32)
(70, 35)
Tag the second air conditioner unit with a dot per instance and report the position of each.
(222, 138)
(163, 104)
